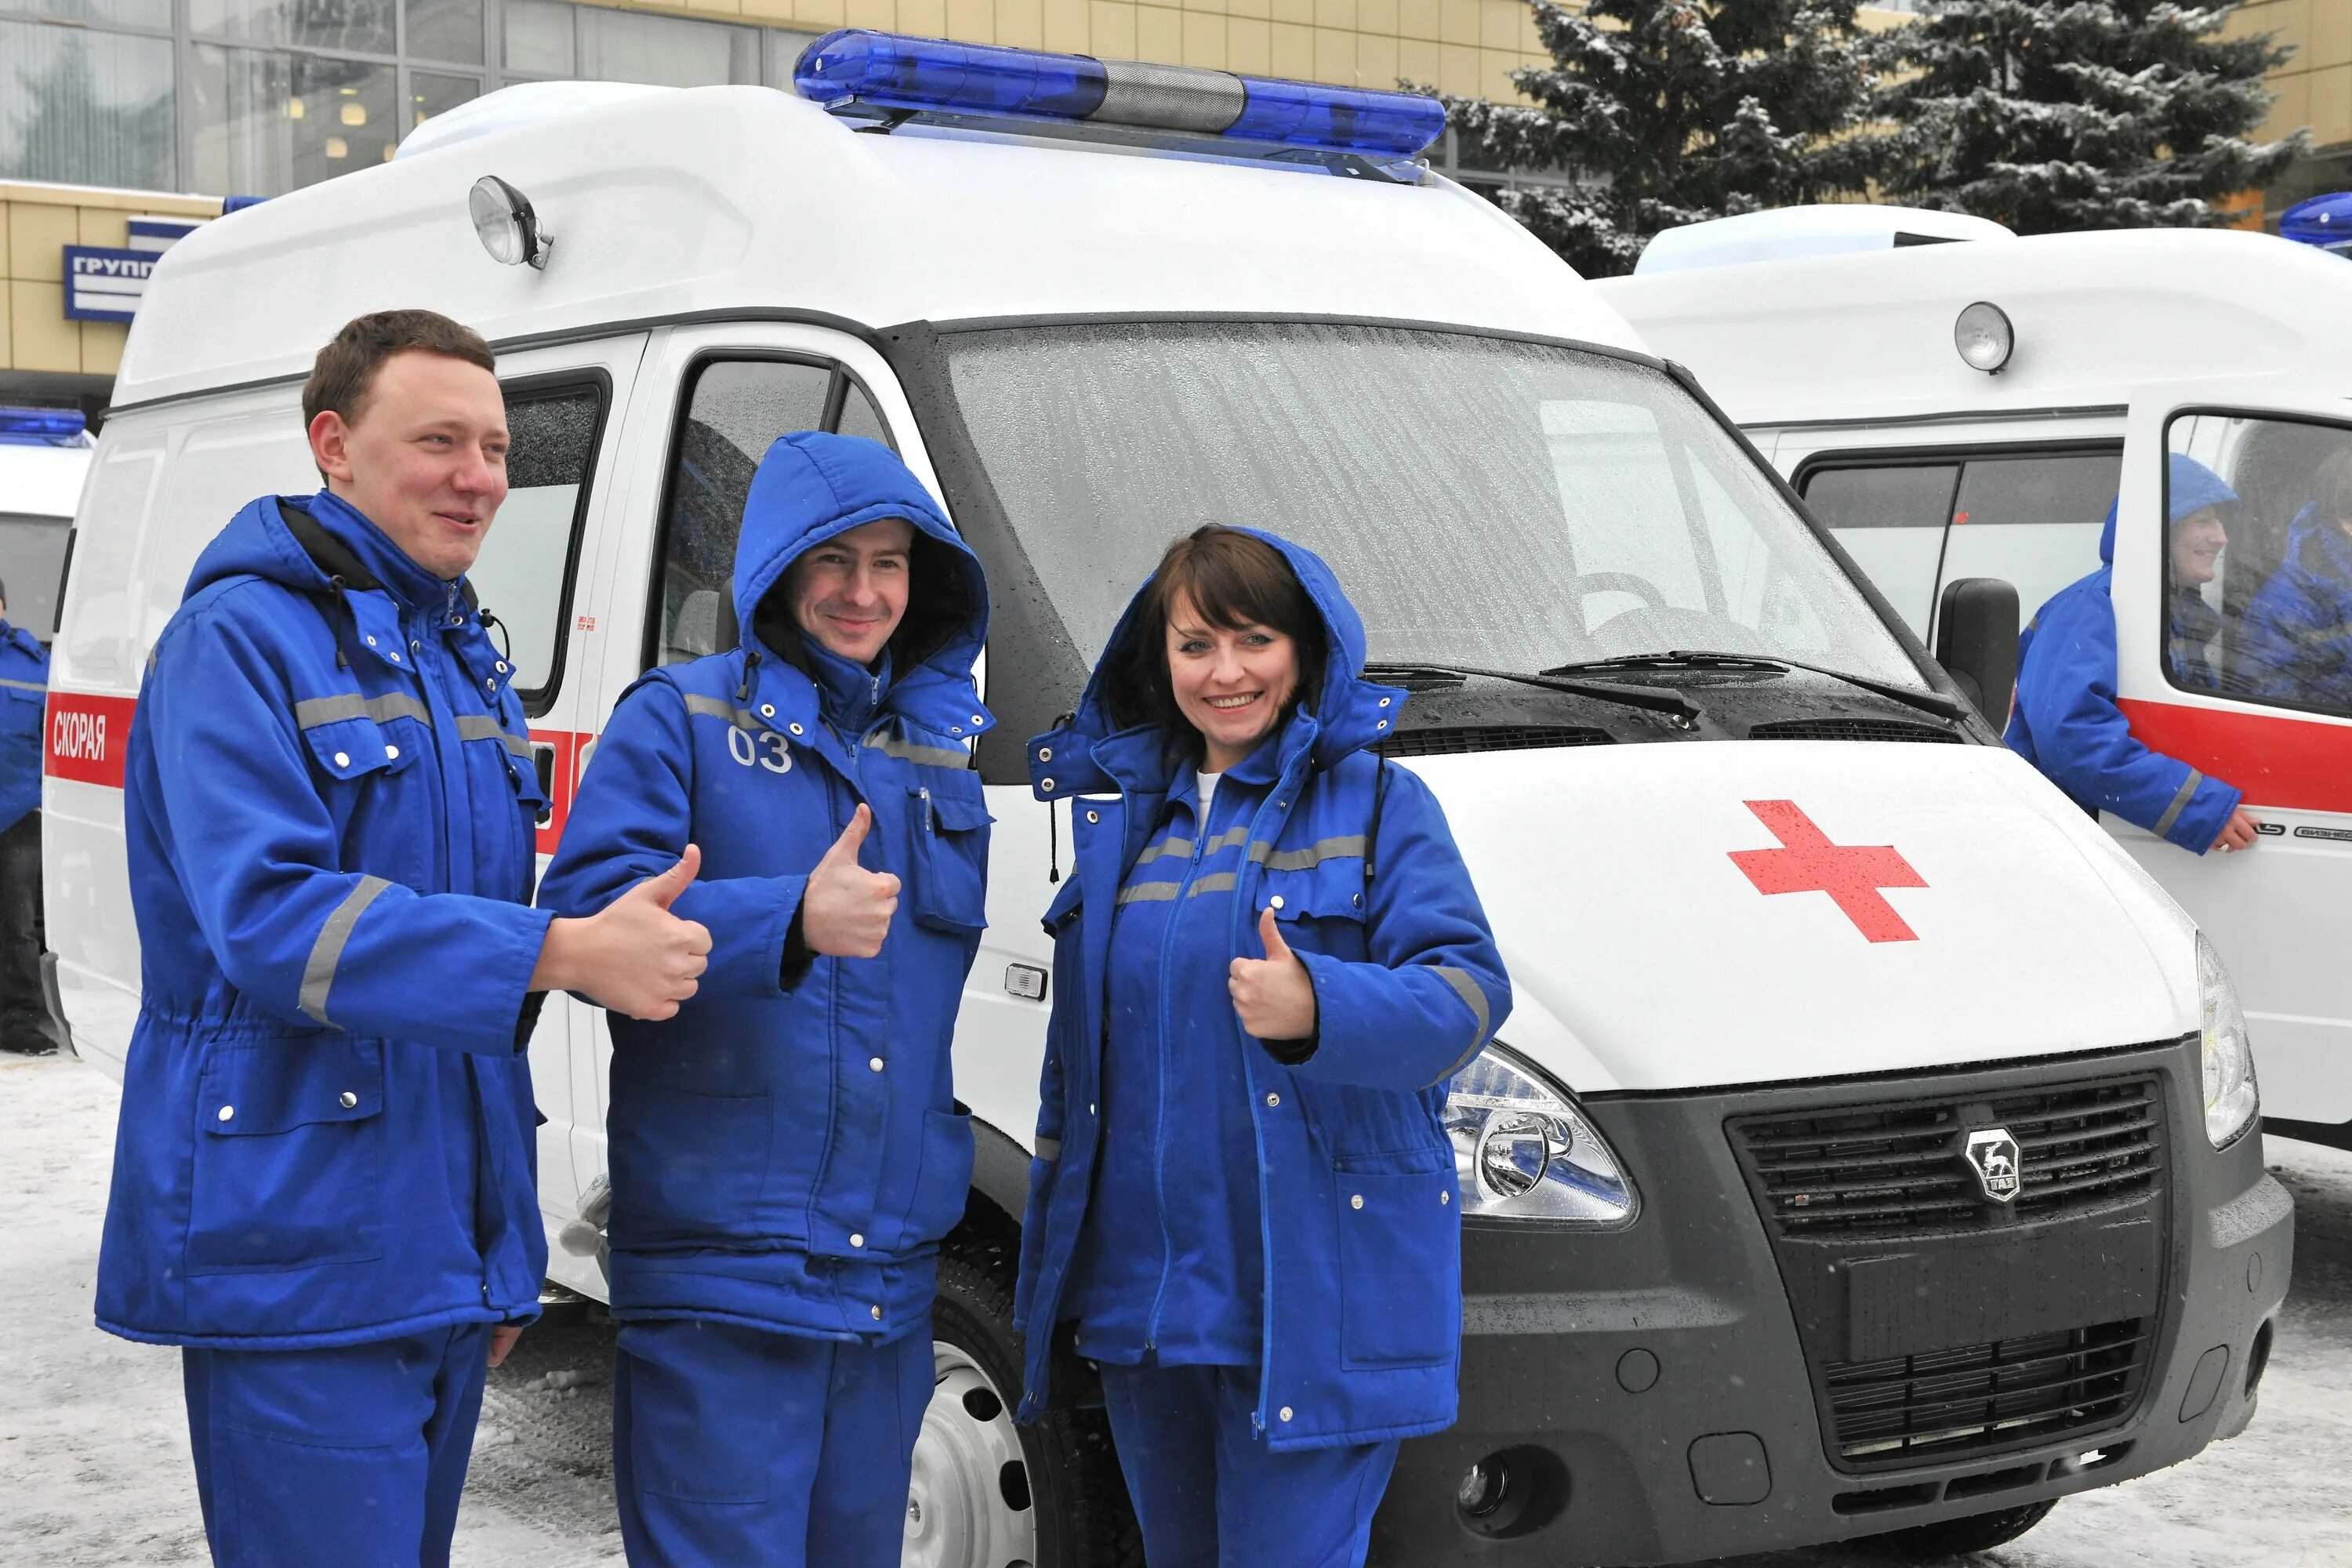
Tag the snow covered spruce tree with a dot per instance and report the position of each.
(1668, 111)
(2065, 114)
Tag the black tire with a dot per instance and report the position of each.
(1079, 1499)
(1952, 1537)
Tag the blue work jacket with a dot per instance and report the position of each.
(787, 1152)
(1359, 1231)
(2296, 640)
(24, 694)
(2067, 723)
(327, 1133)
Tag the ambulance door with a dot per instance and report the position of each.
(2254, 688)
(711, 400)
(565, 469)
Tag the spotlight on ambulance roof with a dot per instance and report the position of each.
(507, 225)
(42, 427)
(2324, 221)
(1984, 337)
(856, 69)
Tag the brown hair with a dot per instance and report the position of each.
(1233, 580)
(345, 370)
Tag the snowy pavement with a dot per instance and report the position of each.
(93, 1452)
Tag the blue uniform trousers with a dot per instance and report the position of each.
(737, 1448)
(1209, 1494)
(354, 1456)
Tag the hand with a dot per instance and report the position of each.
(845, 909)
(2238, 833)
(636, 957)
(502, 1340)
(1273, 994)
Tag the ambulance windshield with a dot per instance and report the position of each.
(1484, 501)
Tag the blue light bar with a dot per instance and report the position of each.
(41, 427)
(2322, 221)
(890, 71)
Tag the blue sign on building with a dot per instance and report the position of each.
(104, 284)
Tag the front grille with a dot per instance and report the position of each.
(1849, 729)
(1462, 740)
(1922, 1408)
(1898, 1169)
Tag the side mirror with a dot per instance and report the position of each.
(1976, 642)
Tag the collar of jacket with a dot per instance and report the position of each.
(410, 585)
(19, 639)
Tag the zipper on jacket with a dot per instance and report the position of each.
(1160, 1108)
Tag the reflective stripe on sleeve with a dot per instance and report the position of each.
(314, 711)
(327, 953)
(484, 727)
(2179, 802)
(1460, 981)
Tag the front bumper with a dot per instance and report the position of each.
(1649, 1392)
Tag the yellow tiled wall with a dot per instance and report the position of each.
(2314, 89)
(36, 223)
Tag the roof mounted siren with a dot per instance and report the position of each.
(43, 428)
(2322, 221)
(888, 79)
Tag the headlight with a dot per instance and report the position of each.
(2231, 1100)
(1523, 1150)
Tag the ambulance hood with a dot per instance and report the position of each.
(1644, 956)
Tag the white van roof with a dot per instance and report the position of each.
(1827, 228)
(742, 199)
(1868, 338)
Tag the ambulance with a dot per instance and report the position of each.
(1871, 1151)
(1970, 410)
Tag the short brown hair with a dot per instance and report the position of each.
(1235, 580)
(345, 370)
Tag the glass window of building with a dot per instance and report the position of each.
(268, 121)
(555, 39)
(87, 107)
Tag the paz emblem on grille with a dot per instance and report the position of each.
(1993, 1154)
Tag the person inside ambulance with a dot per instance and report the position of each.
(1268, 962)
(786, 1153)
(323, 1183)
(2066, 722)
(25, 1024)
(2294, 641)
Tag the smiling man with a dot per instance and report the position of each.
(787, 1152)
(323, 1173)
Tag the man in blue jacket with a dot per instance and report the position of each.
(2066, 722)
(2295, 641)
(787, 1152)
(24, 690)
(323, 1173)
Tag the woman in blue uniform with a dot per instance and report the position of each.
(1267, 963)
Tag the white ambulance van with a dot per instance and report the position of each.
(1870, 1150)
(1952, 410)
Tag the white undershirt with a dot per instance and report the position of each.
(1208, 785)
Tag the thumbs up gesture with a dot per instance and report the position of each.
(1273, 995)
(635, 957)
(845, 910)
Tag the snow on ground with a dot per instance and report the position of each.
(94, 1463)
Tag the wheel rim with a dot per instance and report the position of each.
(967, 1461)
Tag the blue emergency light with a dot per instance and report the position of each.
(855, 68)
(2324, 221)
(41, 427)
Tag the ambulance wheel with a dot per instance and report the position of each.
(986, 1493)
(1953, 1538)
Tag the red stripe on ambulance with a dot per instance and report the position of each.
(87, 738)
(2276, 759)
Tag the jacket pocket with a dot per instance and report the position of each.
(1321, 907)
(1399, 1260)
(943, 1181)
(288, 1155)
(346, 748)
(688, 1168)
(951, 862)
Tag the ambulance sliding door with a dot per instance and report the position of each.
(565, 469)
(2247, 675)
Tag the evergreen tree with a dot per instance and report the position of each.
(1668, 111)
(2049, 115)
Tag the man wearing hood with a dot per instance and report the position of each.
(2066, 722)
(323, 1185)
(2296, 640)
(24, 690)
(787, 1152)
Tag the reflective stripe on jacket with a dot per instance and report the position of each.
(327, 1133)
(1361, 1320)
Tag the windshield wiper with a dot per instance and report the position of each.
(1929, 700)
(1674, 704)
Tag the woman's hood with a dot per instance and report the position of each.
(1348, 714)
(811, 486)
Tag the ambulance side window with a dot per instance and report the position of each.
(523, 575)
(734, 410)
(2257, 560)
(1891, 521)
